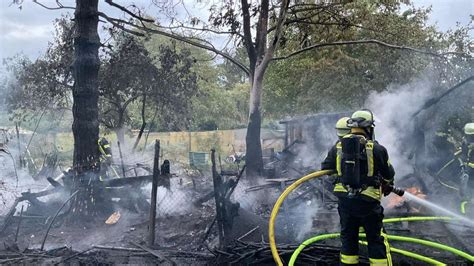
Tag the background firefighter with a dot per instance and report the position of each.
(467, 167)
(342, 128)
(461, 166)
(364, 173)
(105, 157)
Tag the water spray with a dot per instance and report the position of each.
(410, 197)
(438, 208)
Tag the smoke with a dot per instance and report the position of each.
(11, 188)
(304, 215)
(393, 110)
(252, 200)
(395, 126)
(174, 201)
(316, 146)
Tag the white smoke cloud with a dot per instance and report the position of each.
(171, 202)
(393, 108)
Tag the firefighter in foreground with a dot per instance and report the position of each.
(364, 174)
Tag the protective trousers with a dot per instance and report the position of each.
(356, 213)
(467, 192)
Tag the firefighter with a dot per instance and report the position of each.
(341, 127)
(364, 174)
(105, 156)
(466, 158)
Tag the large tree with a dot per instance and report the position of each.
(85, 92)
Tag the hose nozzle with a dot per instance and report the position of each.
(398, 191)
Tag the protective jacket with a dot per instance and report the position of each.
(467, 155)
(105, 158)
(362, 171)
(375, 169)
(105, 151)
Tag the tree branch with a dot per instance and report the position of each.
(116, 22)
(262, 25)
(117, 104)
(311, 7)
(59, 6)
(248, 33)
(182, 26)
(140, 18)
(278, 32)
(127, 102)
(322, 23)
(377, 42)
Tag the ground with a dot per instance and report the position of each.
(182, 226)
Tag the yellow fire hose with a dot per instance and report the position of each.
(390, 237)
(276, 207)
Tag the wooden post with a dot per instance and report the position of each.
(121, 158)
(19, 223)
(154, 190)
(22, 164)
(220, 208)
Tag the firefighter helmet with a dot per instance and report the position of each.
(341, 127)
(469, 129)
(103, 141)
(361, 119)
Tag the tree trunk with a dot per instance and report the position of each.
(253, 157)
(85, 126)
(120, 127)
(142, 128)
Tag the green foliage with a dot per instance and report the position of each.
(221, 100)
(44, 83)
(187, 88)
(219, 108)
(127, 72)
(339, 78)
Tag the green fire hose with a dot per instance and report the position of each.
(411, 255)
(390, 237)
(336, 235)
(417, 218)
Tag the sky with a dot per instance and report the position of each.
(29, 29)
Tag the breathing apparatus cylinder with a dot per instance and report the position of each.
(351, 162)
